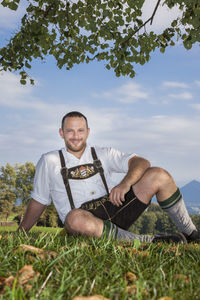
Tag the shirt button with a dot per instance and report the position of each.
(92, 193)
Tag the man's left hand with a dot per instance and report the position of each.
(118, 192)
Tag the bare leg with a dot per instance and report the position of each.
(159, 182)
(81, 222)
(155, 181)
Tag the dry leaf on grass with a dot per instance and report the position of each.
(40, 252)
(6, 281)
(24, 275)
(0, 237)
(182, 277)
(175, 250)
(139, 253)
(130, 277)
(94, 297)
(131, 289)
(165, 298)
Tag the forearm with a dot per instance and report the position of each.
(137, 168)
(32, 214)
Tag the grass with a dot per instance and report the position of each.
(88, 266)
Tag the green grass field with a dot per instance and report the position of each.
(64, 267)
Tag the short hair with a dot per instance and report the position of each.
(73, 114)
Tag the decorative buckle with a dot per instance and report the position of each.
(97, 164)
(64, 171)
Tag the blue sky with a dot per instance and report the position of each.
(156, 114)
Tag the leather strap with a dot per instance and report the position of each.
(98, 166)
(64, 173)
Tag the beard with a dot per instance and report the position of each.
(75, 148)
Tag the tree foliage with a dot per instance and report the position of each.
(7, 190)
(24, 181)
(16, 183)
(78, 31)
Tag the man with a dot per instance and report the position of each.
(78, 180)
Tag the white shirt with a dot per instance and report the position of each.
(48, 182)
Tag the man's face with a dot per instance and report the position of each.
(75, 134)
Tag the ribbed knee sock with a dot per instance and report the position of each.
(113, 232)
(176, 210)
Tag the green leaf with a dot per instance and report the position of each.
(23, 81)
(13, 6)
(27, 65)
(174, 23)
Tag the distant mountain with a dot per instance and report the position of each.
(191, 196)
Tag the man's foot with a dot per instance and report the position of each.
(170, 238)
(194, 237)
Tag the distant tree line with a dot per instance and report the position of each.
(16, 184)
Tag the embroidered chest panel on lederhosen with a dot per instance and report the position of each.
(82, 171)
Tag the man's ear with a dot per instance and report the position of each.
(88, 131)
(61, 133)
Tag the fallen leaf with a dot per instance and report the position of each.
(0, 237)
(6, 281)
(131, 289)
(165, 298)
(182, 277)
(130, 277)
(26, 274)
(133, 251)
(176, 250)
(28, 287)
(94, 297)
(40, 252)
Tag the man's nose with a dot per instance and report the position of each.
(76, 134)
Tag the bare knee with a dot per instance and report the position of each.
(158, 176)
(74, 220)
(79, 221)
(155, 181)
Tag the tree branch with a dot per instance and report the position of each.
(143, 25)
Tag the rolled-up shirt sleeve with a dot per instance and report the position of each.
(117, 161)
(41, 187)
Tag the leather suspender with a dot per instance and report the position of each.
(64, 173)
(98, 166)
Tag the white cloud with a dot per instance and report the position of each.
(175, 84)
(196, 106)
(28, 131)
(9, 18)
(197, 82)
(129, 92)
(182, 96)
